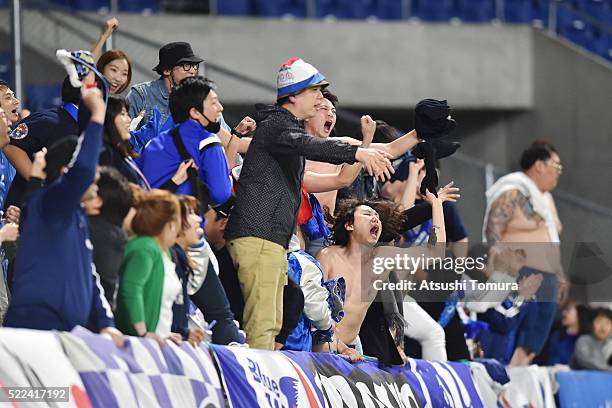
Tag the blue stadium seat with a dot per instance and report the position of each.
(4, 3)
(539, 11)
(298, 8)
(139, 6)
(433, 10)
(43, 96)
(234, 7)
(476, 11)
(326, 8)
(517, 11)
(272, 8)
(597, 9)
(5, 66)
(90, 5)
(389, 9)
(602, 44)
(355, 9)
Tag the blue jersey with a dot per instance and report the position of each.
(160, 159)
(56, 287)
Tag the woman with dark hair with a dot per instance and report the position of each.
(117, 151)
(105, 214)
(117, 69)
(206, 291)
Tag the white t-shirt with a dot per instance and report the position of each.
(172, 289)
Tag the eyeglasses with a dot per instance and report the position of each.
(557, 166)
(187, 66)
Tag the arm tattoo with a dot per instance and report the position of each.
(502, 211)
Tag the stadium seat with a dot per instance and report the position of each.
(476, 11)
(602, 44)
(389, 9)
(298, 8)
(5, 66)
(597, 9)
(539, 12)
(326, 8)
(4, 3)
(355, 9)
(139, 6)
(433, 10)
(89, 5)
(43, 96)
(517, 11)
(272, 8)
(234, 7)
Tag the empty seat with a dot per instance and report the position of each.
(139, 6)
(539, 12)
(476, 11)
(90, 5)
(326, 8)
(433, 10)
(517, 11)
(43, 96)
(389, 9)
(234, 7)
(272, 8)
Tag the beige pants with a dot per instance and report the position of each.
(262, 273)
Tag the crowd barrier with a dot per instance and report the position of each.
(95, 373)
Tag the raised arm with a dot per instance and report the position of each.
(107, 30)
(321, 183)
(395, 148)
(63, 195)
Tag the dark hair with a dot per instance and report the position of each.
(390, 215)
(155, 209)
(114, 106)
(70, 94)
(602, 312)
(282, 101)
(189, 93)
(539, 150)
(384, 133)
(4, 84)
(112, 55)
(59, 155)
(116, 195)
(330, 97)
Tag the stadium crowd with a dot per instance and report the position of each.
(149, 215)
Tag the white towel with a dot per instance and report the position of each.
(540, 201)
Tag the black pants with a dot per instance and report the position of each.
(213, 303)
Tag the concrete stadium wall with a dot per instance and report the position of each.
(507, 84)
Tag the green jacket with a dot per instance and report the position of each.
(141, 282)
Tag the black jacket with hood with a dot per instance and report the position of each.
(269, 188)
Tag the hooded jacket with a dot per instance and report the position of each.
(269, 188)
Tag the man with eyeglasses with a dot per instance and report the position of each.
(176, 62)
(521, 211)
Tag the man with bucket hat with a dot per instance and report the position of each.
(269, 194)
(176, 62)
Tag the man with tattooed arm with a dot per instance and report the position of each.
(521, 212)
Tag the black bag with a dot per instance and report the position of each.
(198, 189)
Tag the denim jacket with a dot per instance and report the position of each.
(145, 96)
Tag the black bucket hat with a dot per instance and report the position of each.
(174, 53)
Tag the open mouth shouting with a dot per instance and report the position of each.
(374, 231)
(327, 126)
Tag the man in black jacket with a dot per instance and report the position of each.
(268, 197)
